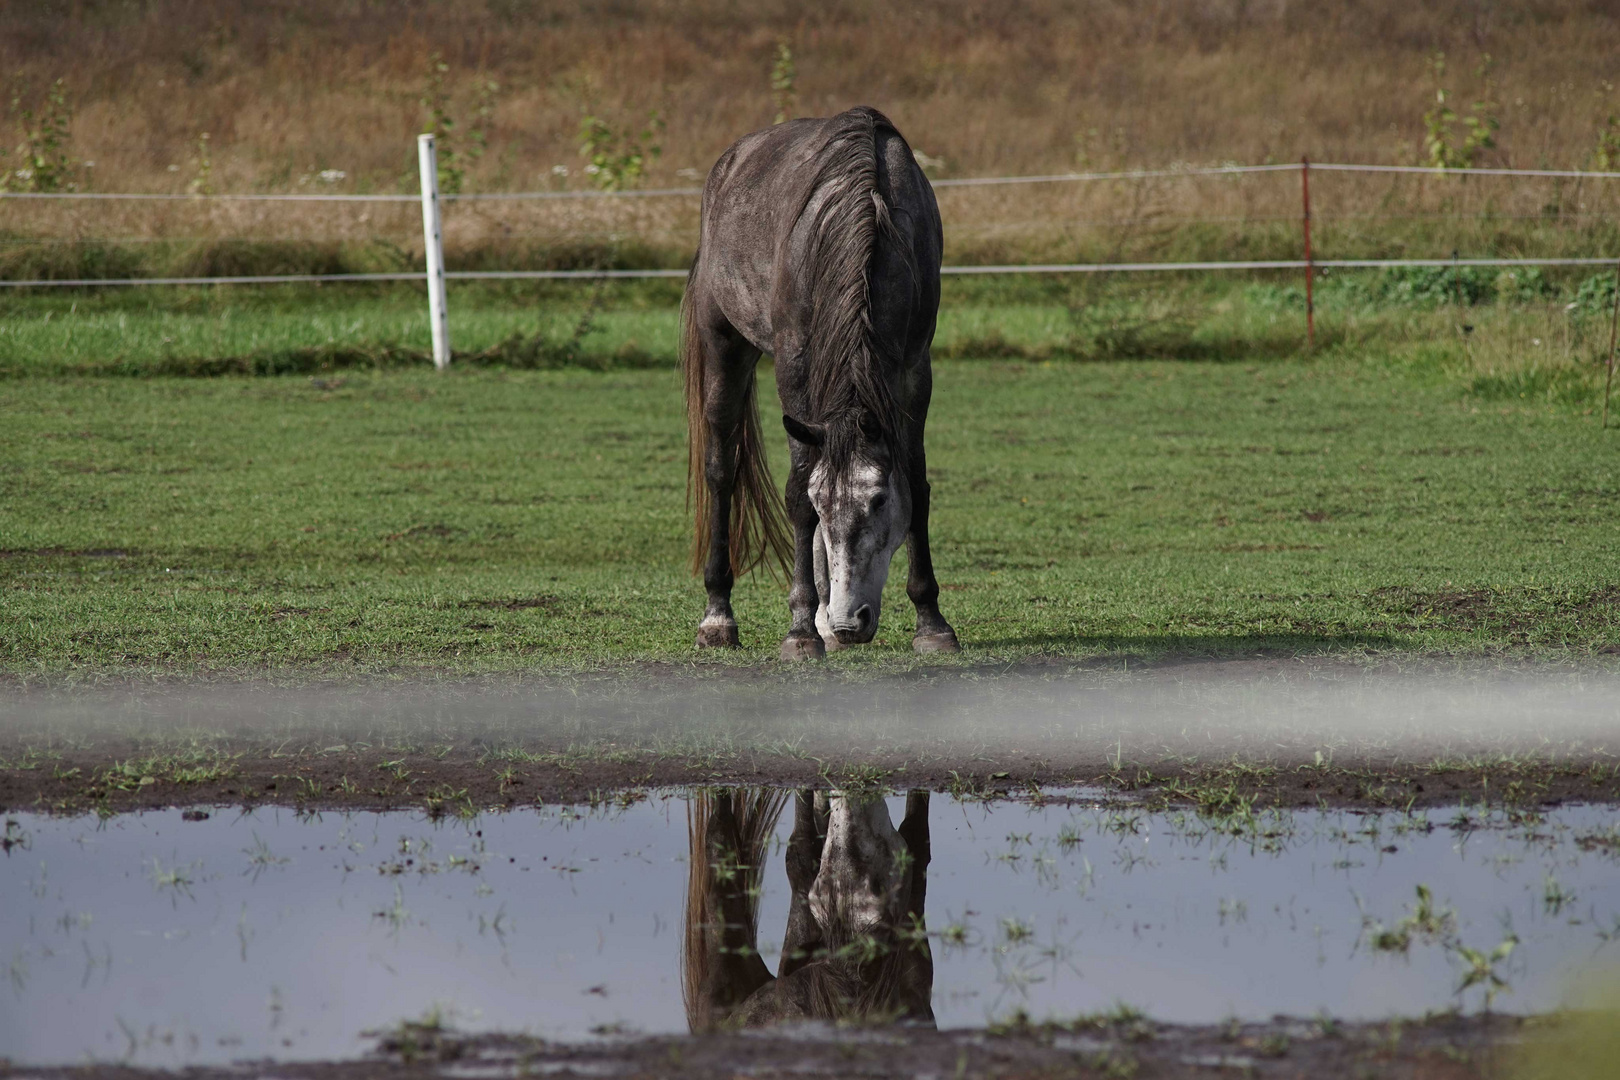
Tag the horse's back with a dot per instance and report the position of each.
(762, 204)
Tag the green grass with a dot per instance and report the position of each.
(1370, 499)
(1525, 337)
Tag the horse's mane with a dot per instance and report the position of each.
(847, 385)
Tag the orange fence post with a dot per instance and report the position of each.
(1614, 328)
(1310, 306)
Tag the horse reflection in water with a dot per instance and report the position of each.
(855, 946)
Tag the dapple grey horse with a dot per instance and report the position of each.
(820, 245)
(856, 946)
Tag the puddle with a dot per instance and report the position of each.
(166, 941)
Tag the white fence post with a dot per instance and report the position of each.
(433, 244)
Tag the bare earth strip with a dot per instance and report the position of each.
(1431, 1049)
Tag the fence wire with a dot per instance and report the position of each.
(1142, 223)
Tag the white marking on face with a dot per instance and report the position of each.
(859, 888)
(864, 518)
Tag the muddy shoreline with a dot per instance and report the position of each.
(1432, 1048)
(133, 777)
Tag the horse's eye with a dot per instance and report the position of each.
(879, 501)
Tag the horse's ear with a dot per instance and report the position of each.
(809, 434)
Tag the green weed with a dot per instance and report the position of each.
(618, 160)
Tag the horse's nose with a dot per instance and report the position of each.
(865, 626)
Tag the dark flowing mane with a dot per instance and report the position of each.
(848, 390)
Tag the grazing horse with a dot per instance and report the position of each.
(856, 946)
(820, 245)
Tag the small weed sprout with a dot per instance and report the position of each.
(616, 160)
(784, 83)
(396, 915)
(176, 878)
(483, 119)
(958, 934)
(1479, 968)
(203, 161)
(1424, 921)
(1606, 154)
(1439, 925)
(45, 164)
(413, 1040)
(261, 858)
(436, 100)
(1274, 1045)
(1554, 897)
(1606, 157)
(1481, 122)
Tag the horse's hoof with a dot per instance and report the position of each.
(803, 648)
(940, 642)
(717, 635)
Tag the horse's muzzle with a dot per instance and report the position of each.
(858, 631)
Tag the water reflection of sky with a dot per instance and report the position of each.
(268, 935)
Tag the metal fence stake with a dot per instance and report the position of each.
(1310, 306)
(433, 245)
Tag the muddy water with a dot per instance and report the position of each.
(168, 941)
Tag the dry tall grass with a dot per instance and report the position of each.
(289, 88)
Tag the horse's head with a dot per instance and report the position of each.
(863, 503)
(862, 889)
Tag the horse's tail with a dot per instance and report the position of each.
(728, 836)
(759, 532)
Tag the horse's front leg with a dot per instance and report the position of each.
(934, 634)
(803, 641)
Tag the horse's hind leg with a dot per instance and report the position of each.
(728, 365)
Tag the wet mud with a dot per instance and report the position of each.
(119, 776)
(1445, 1048)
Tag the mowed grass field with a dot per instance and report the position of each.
(492, 519)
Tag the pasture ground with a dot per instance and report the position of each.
(1392, 494)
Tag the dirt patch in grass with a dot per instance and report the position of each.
(1518, 615)
(1112, 1045)
(527, 603)
(465, 780)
